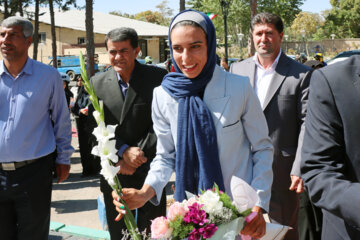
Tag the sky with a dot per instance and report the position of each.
(136, 6)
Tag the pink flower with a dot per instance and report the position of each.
(194, 235)
(208, 230)
(196, 215)
(160, 228)
(175, 210)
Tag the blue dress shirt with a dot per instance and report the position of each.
(34, 117)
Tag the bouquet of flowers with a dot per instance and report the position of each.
(106, 149)
(209, 215)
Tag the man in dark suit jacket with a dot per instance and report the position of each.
(282, 87)
(127, 91)
(331, 151)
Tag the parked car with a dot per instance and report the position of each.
(342, 56)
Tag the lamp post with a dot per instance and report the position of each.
(286, 42)
(240, 37)
(225, 10)
(303, 38)
(333, 43)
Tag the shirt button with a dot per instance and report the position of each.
(11, 118)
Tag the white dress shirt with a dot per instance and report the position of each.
(263, 78)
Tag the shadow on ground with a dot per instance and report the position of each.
(71, 206)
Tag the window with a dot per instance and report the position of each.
(42, 37)
(81, 40)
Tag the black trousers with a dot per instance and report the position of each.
(25, 197)
(310, 219)
(145, 214)
(284, 209)
(90, 163)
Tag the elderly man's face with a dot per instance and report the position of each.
(122, 56)
(13, 44)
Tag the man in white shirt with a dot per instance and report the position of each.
(281, 85)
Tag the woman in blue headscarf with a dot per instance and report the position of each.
(209, 125)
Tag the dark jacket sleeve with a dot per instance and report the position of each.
(325, 164)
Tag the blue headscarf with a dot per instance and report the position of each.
(197, 157)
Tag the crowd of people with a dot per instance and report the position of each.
(290, 130)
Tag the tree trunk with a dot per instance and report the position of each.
(182, 5)
(6, 9)
(20, 8)
(90, 46)
(53, 33)
(251, 48)
(36, 30)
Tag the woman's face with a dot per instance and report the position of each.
(189, 49)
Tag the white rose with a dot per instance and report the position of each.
(211, 201)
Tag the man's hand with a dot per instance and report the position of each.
(296, 184)
(134, 199)
(134, 157)
(256, 228)
(62, 172)
(125, 168)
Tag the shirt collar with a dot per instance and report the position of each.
(273, 66)
(132, 73)
(27, 68)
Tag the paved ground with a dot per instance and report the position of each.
(74, 204)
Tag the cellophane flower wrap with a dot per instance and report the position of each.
(106, 149)
(199, 217)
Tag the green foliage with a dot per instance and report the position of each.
(152, 17)
(286, 9)
(311, 23)
(161, 17)
(180, 230)
(239, 15)
(343, 19)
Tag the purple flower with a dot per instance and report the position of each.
(208, 230)
(194, 235)
(196, 215)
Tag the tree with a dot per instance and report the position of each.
(90, 46)
(242, 11)
(152, 17)
(343, 19)
(36, 30)
(253, 10)
(121, 14)
(11, 7)
(286, 9)
(310, 22)
(182, 5)
(53, 33)
(165, 11)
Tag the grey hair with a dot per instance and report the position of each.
(123, 34)
(25, 24)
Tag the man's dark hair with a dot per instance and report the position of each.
(267, 18)
(122, 34)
